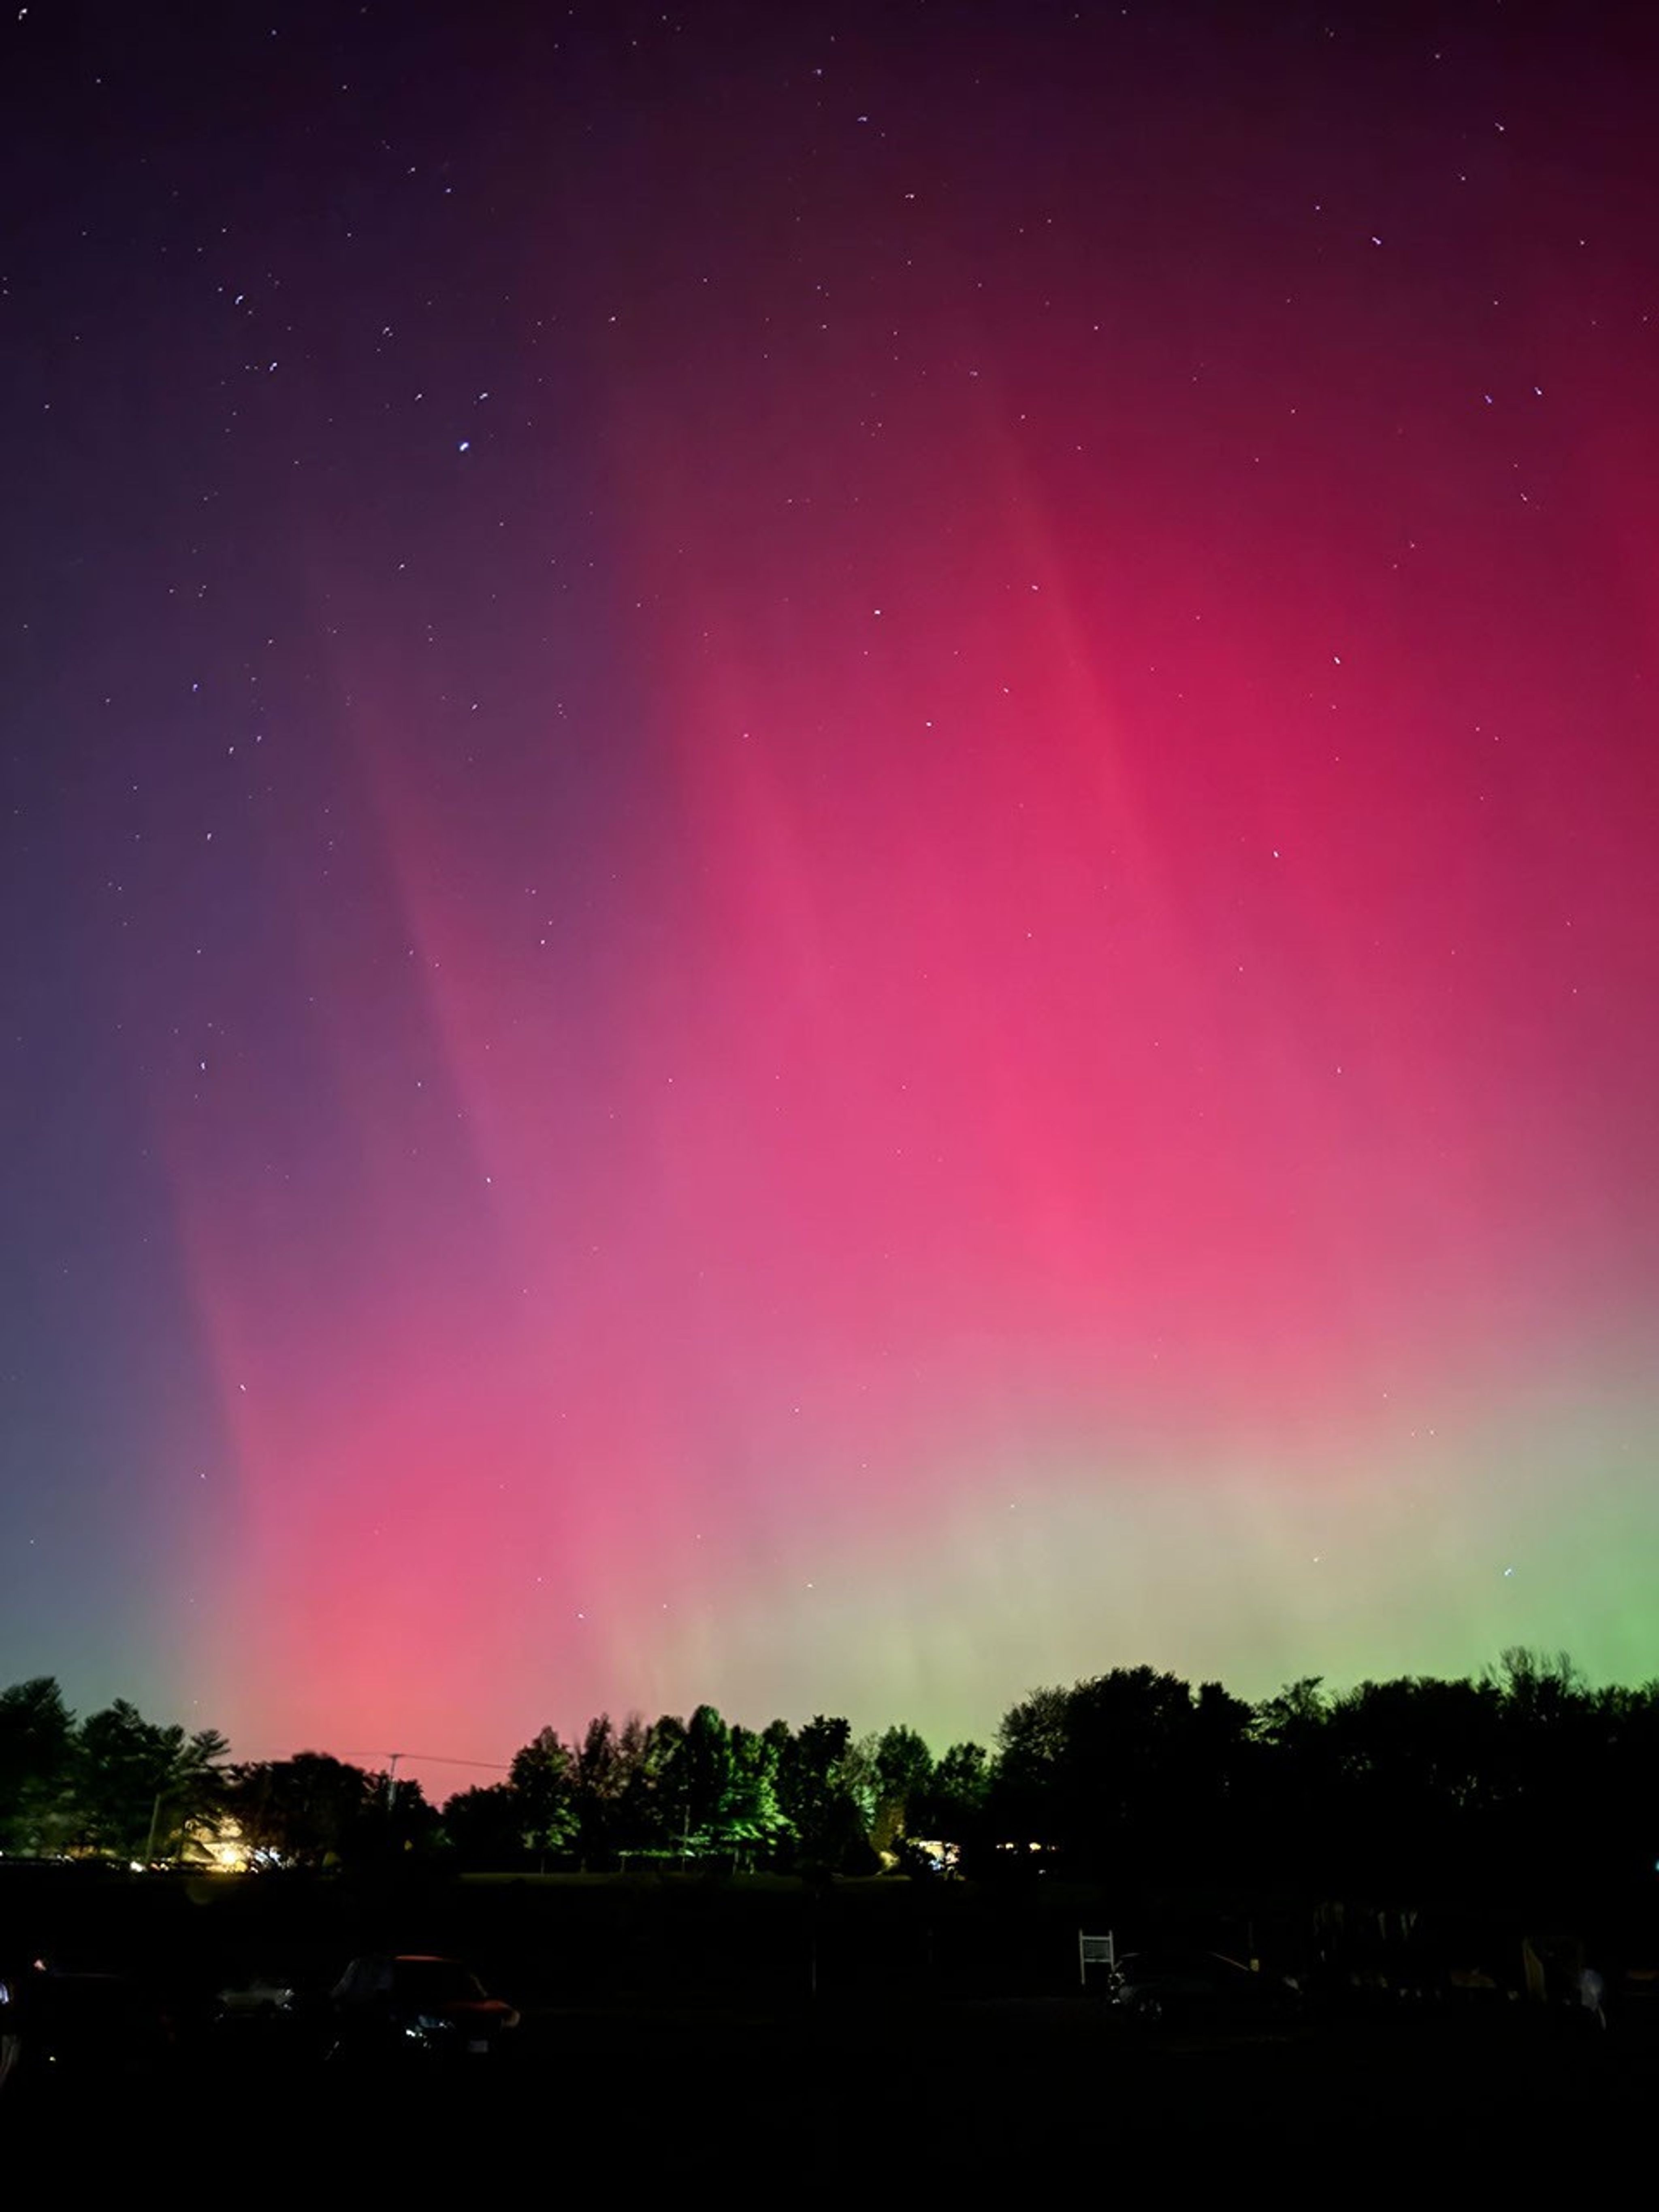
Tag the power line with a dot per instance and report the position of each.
(426, 1759)
(439, 1758)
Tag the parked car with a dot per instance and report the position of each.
(71, 2026)
(389, 2006)
(257, 1996)
(11, 2042)
(1198, 1989)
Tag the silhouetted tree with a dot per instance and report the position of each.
(952, 1808)
(636, 1818)
(1527, 1782)
(1414, 1762)
(1117, 1771)
(1553, 1760)
(311, 1810)
(815, 1786)
(1622, 1807)
(1292, 1812)
(902, 1771)
(401, 1818)
(707, 1762)
(601, 1774)
(670, 1783)
(1128, 1770)
(1032, 1757)
(485, 1827)
(712, 1788)
(142, 1788)
(37, 1749)
(543, 1781)
(752, 1819)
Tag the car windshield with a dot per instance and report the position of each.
(436, 1981)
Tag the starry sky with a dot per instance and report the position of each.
(828, 855)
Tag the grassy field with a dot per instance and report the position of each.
(757, 2037)
(591, 1939)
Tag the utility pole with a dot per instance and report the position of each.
(392, 1784)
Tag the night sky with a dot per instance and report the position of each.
(828, 871)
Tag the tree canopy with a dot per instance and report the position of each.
(1132, 1774)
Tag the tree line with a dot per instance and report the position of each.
(1134, 1776)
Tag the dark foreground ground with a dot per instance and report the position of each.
(963, 2100)
(696, 2054)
